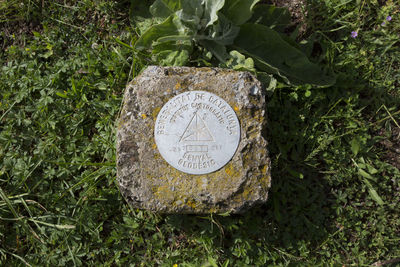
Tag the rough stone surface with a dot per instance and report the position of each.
(147, 181)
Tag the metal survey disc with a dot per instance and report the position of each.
(197, 132)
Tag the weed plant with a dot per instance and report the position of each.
(335, 193)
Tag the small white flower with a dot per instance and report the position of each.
(95, 46)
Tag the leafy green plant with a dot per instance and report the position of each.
(334, 198)
(228, 30)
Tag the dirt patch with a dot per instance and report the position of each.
(13, 32)
(298, 12)
(392, 146)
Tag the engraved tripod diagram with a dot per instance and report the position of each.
(196, 130)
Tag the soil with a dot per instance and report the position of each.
(392, 146)
(13, 32)
(298, 11)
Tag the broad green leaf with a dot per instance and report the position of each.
(268, 81)
(164, 8)
(224, 32)
(239, 11)
(61, 95)
(171, 53)
(192, 7)
(274, 55)
(372, 192)
(187, 21)
(296, 174)
(355, 146)
(191, 14)
(210, 10)
(365, 174)
(173, 58)
(276, 18)
(212, 262)
(144, 25)
(166, 28)
(48, 54)
(374, 195)
(307, 46)
(172, 38)
(218, 50)
(139, 9)
(371, 169)
(186, 25)
(158, 47)
(140, 17)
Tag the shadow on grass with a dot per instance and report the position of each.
(299, 211)
(300, 215)
(310, 134)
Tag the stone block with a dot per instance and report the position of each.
(204, 180)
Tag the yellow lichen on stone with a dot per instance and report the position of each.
(184, 186)
(157, 185)
(191, 204)
(163, 193)
(155, 112)
(264, 169)
(247, 193)
(266, 178)
(229, 169)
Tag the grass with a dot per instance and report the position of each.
(335, 193)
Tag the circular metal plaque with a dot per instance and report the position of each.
(197, 132)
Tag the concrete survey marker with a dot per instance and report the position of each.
(197, 132)
(189, 140)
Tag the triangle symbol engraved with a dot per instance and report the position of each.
(196, 130)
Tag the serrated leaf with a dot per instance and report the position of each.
(274, 55)
(238, 61)
(239, 11)
(211, 9)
